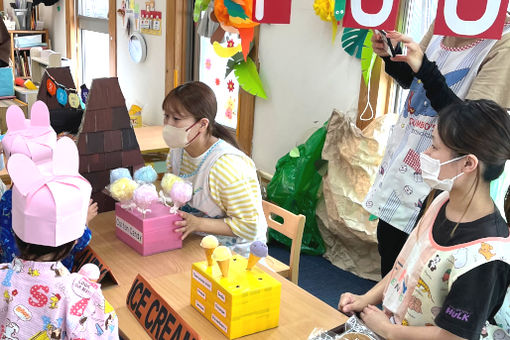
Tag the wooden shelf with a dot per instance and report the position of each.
(14, 33)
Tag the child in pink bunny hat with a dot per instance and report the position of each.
(36, 139)
(41, 297)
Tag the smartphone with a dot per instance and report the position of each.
(387, 43)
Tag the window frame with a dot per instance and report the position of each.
(73, 40)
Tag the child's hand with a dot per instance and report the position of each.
(351, 303)
(376, 320)
(189, 224)
(92, 211)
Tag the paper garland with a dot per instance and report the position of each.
(64, 94)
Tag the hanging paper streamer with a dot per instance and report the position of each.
(63, 93)
(51, 87)
(74, 100)
(84, 93)
(61, 96)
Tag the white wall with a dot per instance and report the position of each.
(304, 74)
(305, 77)
(144, 82)
(54, 18)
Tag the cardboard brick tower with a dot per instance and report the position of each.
(63, 118)
(106, 140)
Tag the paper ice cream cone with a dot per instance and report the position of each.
(224, 267)
(252, 261)
(208, 255)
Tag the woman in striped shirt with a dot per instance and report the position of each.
(226, 193)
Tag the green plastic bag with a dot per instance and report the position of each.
(294, 187)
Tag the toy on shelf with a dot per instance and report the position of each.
(209, 243)
(235, 300)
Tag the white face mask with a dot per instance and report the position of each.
(430, 168)
(177, 137)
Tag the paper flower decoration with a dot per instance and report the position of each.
(230, 86)
(325, 9)
(146, 174)
(118, 173)
(237, 14)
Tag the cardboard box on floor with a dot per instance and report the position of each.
(4, 105)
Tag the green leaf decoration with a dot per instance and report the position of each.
(294, 153)
(353, 40)
(200, 5)
(248, 78)
(233, 61)
(368, 58)
(339, 9)
(235, 10)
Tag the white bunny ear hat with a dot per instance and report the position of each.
(34, 138)
(49, 210)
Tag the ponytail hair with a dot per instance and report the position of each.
(199, 100)
(222, 132)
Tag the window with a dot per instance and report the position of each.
(212, 72)
(93, 31)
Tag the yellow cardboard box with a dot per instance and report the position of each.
(245, 302)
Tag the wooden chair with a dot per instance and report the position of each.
(292, 227)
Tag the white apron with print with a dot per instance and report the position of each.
(398, 192)
(202, 200)
(424, 272)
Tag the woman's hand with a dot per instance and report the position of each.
(376, 320)
(414, 56)
(189, 224)
(378, 44)
(351, 303)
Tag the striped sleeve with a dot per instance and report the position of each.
(235, 189)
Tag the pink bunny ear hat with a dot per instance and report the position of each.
(49, 210)
(34, 138)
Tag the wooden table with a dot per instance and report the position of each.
(150, 139)
(169, 274)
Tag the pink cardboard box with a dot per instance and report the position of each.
(152, 234)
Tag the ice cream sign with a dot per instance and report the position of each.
(155, 315)
(468, 18)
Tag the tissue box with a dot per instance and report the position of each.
(245, 302)
(153, 234)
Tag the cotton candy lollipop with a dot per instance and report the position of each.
(180, 194)
(119, 173)
(122, 190)
(168, 182)
(146, 174)
(143, 197)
